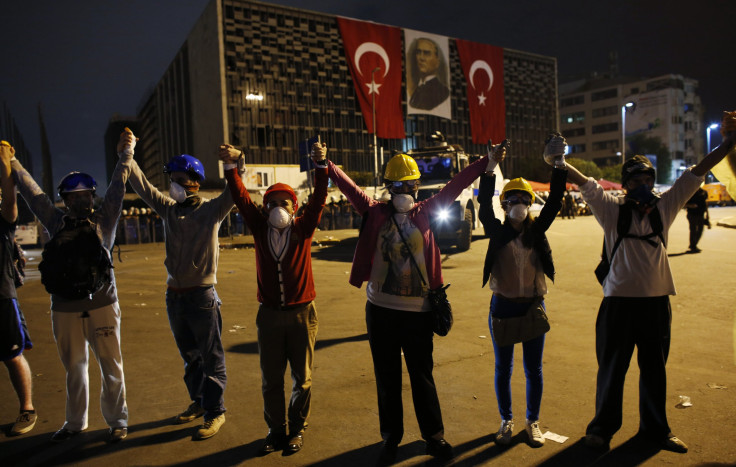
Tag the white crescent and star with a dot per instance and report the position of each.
(364, 48)
(483, 66)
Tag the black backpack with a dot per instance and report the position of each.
(622, 230)
(75, 265)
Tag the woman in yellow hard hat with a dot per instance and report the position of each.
(517, 260)
(397, 256)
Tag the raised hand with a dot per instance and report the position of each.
(229, 154)
(555, 147)
(319, 152)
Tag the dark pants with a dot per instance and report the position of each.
(389, 332)
(697, 222)
(625, 322)
(286, 336)
(196, 323)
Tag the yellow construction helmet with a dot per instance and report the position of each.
(517, 184)
(401, 167)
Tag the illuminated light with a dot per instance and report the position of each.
(443, 214)
(254, 97)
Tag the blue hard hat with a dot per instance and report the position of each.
(77, 181)
(186, 163)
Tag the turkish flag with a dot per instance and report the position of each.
(373, 52)
(483, 68)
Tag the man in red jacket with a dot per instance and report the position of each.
(287, 317)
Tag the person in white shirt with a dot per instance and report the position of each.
(635, 311)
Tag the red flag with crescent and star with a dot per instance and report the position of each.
(483, 68)
(373, 52)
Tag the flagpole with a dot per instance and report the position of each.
(375, 139)
(309, 166)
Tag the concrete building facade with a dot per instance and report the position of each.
(593, 113)
(265, 77)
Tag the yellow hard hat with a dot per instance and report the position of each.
(517, 184)
(402, 167)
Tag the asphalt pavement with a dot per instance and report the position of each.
(344, 422)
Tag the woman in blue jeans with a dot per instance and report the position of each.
(517, 261)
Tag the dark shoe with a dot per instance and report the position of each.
(439, 448)
(694, 249)
(295, 442)
(674, 444)
(193, 411)
(596, 441)
(388, 453)
(63, 435)
(273, 442)
(118, 434)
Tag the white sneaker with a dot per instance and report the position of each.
(535, 434)
(505, 432)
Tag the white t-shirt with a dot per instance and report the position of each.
(394, 281)
(638, 269)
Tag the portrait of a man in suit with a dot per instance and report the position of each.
(428, 73)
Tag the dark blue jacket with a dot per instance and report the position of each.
(502, 233)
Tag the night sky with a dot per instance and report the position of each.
(85, 60)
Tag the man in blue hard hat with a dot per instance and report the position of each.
(191, 224)
(92, 317)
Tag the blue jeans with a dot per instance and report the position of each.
(196, 323)
(533, 350)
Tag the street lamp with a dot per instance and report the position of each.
(623, 128)
(712, 126)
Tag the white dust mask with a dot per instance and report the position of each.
(177, 192)
(279, 218)
(403, 202)
(518, 212)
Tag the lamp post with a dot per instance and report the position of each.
(712, 126)
(375, 139)
(623, 129)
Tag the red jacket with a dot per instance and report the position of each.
(296, 264)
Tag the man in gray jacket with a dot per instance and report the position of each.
(191, 224)
(95, 319)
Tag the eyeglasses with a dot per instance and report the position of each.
(284, 203)
(409, 183)
(513, 199)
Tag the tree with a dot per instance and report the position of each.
(586, 167)
(642, 144)
(611, 173)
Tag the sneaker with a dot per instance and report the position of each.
(505, 432)
(24, 423)
(210, 427)
(118, 433)
(439, 448)
(63, 435)
(674, 444)
(595, 441)
(534, 433)
(193, 411)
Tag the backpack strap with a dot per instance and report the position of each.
(623, 224)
